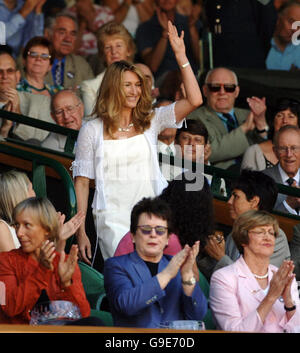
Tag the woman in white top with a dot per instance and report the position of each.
(114, 44)
(15, 187)
(118, 149)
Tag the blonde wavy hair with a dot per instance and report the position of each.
(111, 99)
(13, 189)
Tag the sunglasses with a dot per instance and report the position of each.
(36, 55)
(147, 230)
(216, 87)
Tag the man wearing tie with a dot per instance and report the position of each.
(231, 130)
(68, 70)
(287, 150)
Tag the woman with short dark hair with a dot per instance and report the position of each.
(146, 288)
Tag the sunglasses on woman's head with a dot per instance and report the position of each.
(216, 87)
(147, 230)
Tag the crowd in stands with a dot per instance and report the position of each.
(131, 77)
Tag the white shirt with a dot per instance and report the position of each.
(284, 178)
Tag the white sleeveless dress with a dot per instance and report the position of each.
(127, 180)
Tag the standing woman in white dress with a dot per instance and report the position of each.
(119, 148)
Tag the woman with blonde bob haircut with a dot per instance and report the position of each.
(15, 187)
(43, 212)
(251, 294)
(36, 267)
(119, 148)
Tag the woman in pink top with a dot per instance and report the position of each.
(252, 295)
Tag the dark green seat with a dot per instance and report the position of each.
(93, 284)
(208, 319)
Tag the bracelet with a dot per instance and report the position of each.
(290, 309)
(185, 65)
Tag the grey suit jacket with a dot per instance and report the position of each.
(275, 174)
(35, 106)
(76, 70)
(225, 146)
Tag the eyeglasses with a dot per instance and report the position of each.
(147, 230)
(35, 55)
(216, 87)
(9, 71)
(284, 149)
(262, 233)
(69, 109)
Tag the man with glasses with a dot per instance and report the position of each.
(287, 150)
(28, 104)
(68, 70)
(66, 110)
(231, 130)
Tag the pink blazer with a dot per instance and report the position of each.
(235, 295)
(126, 245)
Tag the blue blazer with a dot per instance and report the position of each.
(136, 299)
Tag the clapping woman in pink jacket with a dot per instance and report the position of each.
(252, 295)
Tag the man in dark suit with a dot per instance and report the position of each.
(287, 150)
(231, 130)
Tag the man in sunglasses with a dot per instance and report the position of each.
(33, 105)
(231, 130)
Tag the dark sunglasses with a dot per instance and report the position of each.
(216, 87)
(147, 230)
(36, 55)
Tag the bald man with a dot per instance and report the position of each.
(231, 130)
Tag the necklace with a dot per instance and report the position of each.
(125, 129)
(261, 277)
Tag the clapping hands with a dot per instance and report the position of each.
(183, 261)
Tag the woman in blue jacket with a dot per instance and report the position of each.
(146, 287)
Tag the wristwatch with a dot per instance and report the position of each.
(190, 282)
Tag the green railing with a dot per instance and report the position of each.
(229, 177)
(43, 125)
(39, 163)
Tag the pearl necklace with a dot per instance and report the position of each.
(261, 277)
(125, 129)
